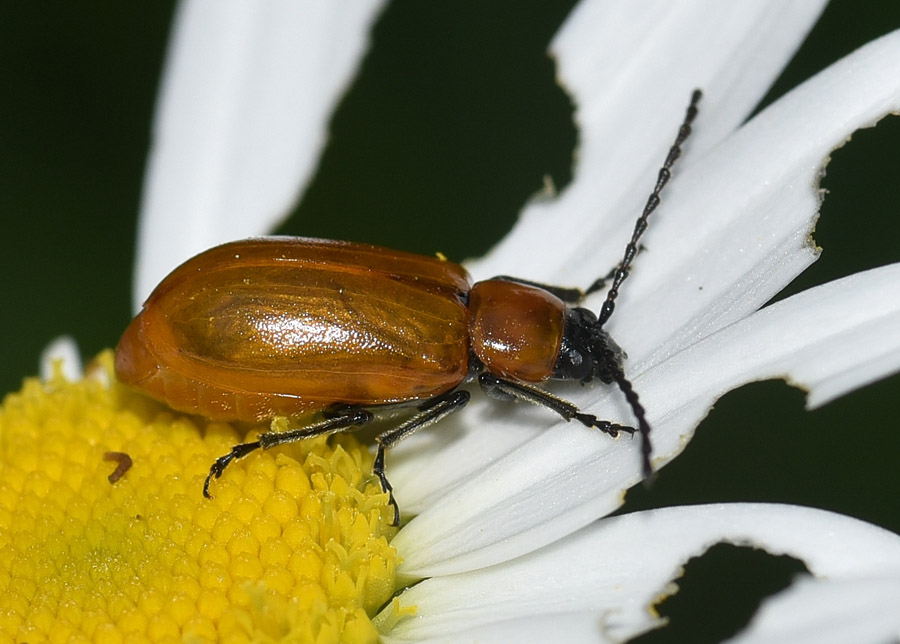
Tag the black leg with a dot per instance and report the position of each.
(571, 295)
(601, 282)
(429, 412)
(338, 422)
(510, 390)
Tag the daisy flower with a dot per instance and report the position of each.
(103, 532)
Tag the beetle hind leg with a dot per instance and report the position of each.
(339, 422)
(430, 412)
(238, 451)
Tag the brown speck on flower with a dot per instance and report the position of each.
(123, 461)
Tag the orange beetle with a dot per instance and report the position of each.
(281, 326)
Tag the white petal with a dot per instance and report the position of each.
(617, 568)
(750, 205)
(829, 340)
(631, 68)
(241, 119)
(816, 611)
(567, 476)
(65, 349)
(739, 221)
(579, 627)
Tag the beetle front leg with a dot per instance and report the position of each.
(502, 389)
(429, 412)
(347, 419)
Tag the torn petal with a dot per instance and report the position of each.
(829, 611)
(619, 567)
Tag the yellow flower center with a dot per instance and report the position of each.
(294, 546)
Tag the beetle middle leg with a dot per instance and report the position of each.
(571, 295)
(601, 282)
(346, 419)
(502, 389)
(568, 294)
(429, 412)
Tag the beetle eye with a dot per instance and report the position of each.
(573, 364)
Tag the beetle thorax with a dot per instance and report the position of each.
(515, 329)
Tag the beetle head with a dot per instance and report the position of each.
(587, 351)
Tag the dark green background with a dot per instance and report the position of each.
(428, 145)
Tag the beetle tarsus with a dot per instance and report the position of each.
(378, 470)
(238, 451)
(612, 429)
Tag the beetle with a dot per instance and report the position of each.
(283, 326)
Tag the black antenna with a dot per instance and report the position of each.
(641, 414)
(621, 272)
(665, 173)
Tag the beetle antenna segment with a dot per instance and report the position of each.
(643, 426)
(665, 173)
(611, 372)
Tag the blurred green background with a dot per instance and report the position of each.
(427, 145)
